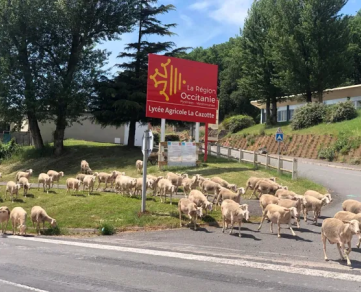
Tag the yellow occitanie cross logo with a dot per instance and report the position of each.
(171, 82)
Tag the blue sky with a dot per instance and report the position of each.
(201, 23)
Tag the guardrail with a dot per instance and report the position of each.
(282, 164)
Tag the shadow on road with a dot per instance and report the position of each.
(243, 235)
(304, 230)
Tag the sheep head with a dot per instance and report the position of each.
(241, 191)
(61, 173)
(22, 228)
(232, 187)
(326, 195)
(27, 185)
(294, 211)
(353, 226)
(53, 223)
(325, 201)
(209, 206)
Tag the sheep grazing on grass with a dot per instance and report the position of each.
(4, 218)
(278, 215)
(165, 187)
(106, 178)
(176, 179)
(89, 182)
(233, 212)
(125, 185)
(224, 194)
(153, 183)
(46, 180)
(12, 188)
(287, 203)
(310, 203)
(80, 176)
(18, 220)
(139, 186)
(189, 184)
(55, 176)
(352, 206)
(39, 215)
(252, 181)
(348, 216)
(224, 183)
(339, 232)
(84, 166)
(209, 186)
(139, 166)
(200, 200)
(25, 174)
(72, 184)
(187, 207)
(23, 181)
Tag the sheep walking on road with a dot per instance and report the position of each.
(189, 208)
(233, 212)
(72, 184)
(55, 176)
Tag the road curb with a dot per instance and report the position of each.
(331, 165)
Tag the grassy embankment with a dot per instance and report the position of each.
(84, 211)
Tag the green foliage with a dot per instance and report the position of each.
(172, 137)
(156, 138)
(341, 111)
(307, 116)
(7, 150)
(106, 229)
(327, 153)
(237, 123)
(53, 231)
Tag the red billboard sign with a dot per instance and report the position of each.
(181, 90)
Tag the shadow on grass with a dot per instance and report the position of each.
(95, 194)
(19, 201)
(79, 195)
(30, 196)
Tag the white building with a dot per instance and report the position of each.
(286, 108)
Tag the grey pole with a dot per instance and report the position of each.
(145, 160)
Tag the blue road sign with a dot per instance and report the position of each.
(279, 137)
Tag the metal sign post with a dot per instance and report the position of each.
(279, 139)
(147, 150)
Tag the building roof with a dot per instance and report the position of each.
(329, 94)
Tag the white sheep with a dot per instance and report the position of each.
(13, 188)
(209, 186)
(286, 194)
(106, 178)
(287, 203)
(352, 206)
(224, 183)
(339, 232)
(266, 187)
(153, 183)
(165, 187)
(46, 180)
(252, 181)
(348, 216)
(55, 176)
(21, 174)
(39, 215)
(310, 203)
(189, 184)
(139, 166)
(233, 212)
(318, 195)
(278, 215)
(23, 181)
(84, 166)
(226, 194)
(4, 218)
(89, 182)
(200, 200)
(266, 200)
(125, 184)
(18, 220)
(72, 184)
(176, 180)
(80, 176)
(189, 208)
(139, 185)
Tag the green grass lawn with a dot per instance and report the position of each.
(351, 128)
(90, 211)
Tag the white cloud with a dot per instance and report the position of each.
(187, 20)
(231, 11)
(202, 5)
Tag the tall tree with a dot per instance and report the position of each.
(355, 48)
(310, 40)
(259, 72)
(123, 99)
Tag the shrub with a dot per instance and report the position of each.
(156, 138)
(341, 111)
(107, 229)
(6, 150)
(307, 116)
(172, 137)
(237, 123)
(262, 132)
(327, 153)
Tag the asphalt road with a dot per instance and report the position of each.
(203, 260)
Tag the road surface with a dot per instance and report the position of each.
(175, 260)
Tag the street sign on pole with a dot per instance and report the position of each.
(279, 139)
(146, 149)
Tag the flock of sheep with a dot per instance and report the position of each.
(279, 205)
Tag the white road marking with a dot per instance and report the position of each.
(201, 258)
(21, 286)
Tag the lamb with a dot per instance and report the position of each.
(318, 195)
(84, 166)
(55, 175)
(39, 215)
(72, 184)
(266, 187)
(18, 220)
(189, 184)
(89, 182)
(348, 216)
(287, 203)
(125, 184)
(165, 187)
(46, 180)
(139, 166)
(352, 206)
(340, 232)
(286, 194)
(25, 174)
(233, 212)
(209, 186)
(279, 215)
(23, 181)
(189, 208)
(4, 218)
(252, 182)
(80, 176)
(13, 188)
(106, 178)
(311, 203)
(224, 194)
(266, 200)
(200, 200)
(224, 183)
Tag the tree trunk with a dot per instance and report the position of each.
(268, 111)
(131, 136)
(59, 134)
(274, 111)
(35, 131)
(308, 96)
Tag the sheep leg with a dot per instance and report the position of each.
(170, 199)
(224, 223)
(98, 185)
(239, 227)
(359, 241)
(260, 225)
(195, 222)
(254, 190)
(271, 227)
(347, 252)
(38, 185)
(342, 257)
(180, 217)
(231, 231)
(293, 233)
(323, 237)
(305, 214)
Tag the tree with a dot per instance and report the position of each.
(123, 99)
(355, 48)
(310, 39)
(259, 72)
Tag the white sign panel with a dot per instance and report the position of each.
(182, 154)
(174, 154)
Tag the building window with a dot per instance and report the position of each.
(282, 116)
(292, 111)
